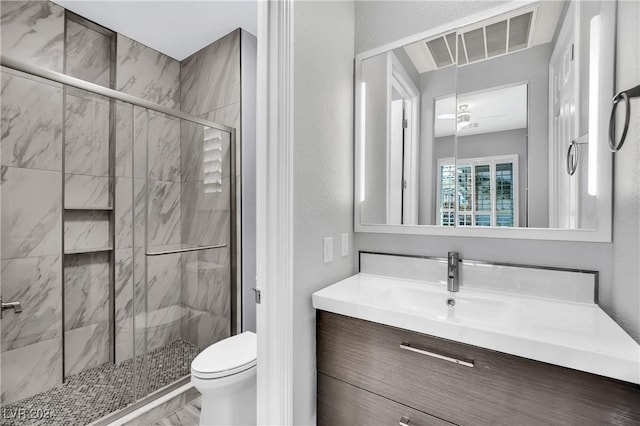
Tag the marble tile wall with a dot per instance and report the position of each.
(31, 216)
(31, 260)
(86, 305)
(206, 296)
(33, 32)
(146, 73)
(87, 133)
(88, 54)
(210, 88)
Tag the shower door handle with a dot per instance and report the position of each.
(16, 306)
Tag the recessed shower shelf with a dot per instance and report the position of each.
(88, 250)
(89, 208)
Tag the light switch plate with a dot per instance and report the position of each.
(344, 245)
(328, 249)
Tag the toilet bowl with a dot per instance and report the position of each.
(225, 375)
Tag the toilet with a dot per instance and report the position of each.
(225, 375)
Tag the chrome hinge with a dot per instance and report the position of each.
(405, 123)
(258, 295)
(404, 184)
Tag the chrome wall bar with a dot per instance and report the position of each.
(160, 253)
(100, 90)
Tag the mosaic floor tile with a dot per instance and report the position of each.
(94, 393)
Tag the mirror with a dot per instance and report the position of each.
(494, 123)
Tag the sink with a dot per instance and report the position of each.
(571, 334)
(433, 301)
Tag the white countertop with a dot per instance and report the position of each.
(570, 334)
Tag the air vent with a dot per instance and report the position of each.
(475, 44)
(440, 51)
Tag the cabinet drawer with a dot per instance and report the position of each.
(340, 403)
(498, 389)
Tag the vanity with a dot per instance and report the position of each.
(491, 126)
(394, 347)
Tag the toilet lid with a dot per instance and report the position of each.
(226, 357)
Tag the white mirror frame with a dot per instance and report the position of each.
(604, 205)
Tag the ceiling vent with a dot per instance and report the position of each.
(494, 38)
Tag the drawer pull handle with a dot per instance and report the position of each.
(404, 421)
(409, 347)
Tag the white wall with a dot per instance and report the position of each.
(248, 52)
(376, 77)
(625, 293)
(619, 290)
(381, 22)
(323, 172)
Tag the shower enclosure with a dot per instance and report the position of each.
(118, 239)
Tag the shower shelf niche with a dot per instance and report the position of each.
(98, 208)
(88, 250)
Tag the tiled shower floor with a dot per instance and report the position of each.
(94, 393)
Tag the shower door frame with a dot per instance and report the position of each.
(114, 95)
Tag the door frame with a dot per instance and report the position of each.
(274, 208)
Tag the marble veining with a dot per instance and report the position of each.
(124, 213)
(31, 369)
(86, 230)
(147, 73)
(161, 335)
(31, 212)
(164, 147)
(124, 339)
(88, 54)
(86, 289)
(86, 133)
(205, 216)
(186, 414)
(86, 191)
(140, 137)
(31, 122)
(124, 139)
(86, 347)
(211, 76)
(192, 156)
(164, 213)
(206, 296)
(163, 281)
(33, 32)
(206, 280)
(203, 328)
(124, 282)
(36, 282)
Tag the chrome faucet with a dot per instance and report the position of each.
(453, 276)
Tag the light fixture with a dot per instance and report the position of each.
(594, 101)
(463, 116)
(363, 110)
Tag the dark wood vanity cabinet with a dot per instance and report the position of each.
(372, 374)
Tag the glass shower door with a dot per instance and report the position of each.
(186, 290)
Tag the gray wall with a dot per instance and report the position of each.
(620, 300)
(532, 66)
(433, 85)
(507, 142)
(624, 297)
(323, 173)
(375, 75)
(248, 57)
